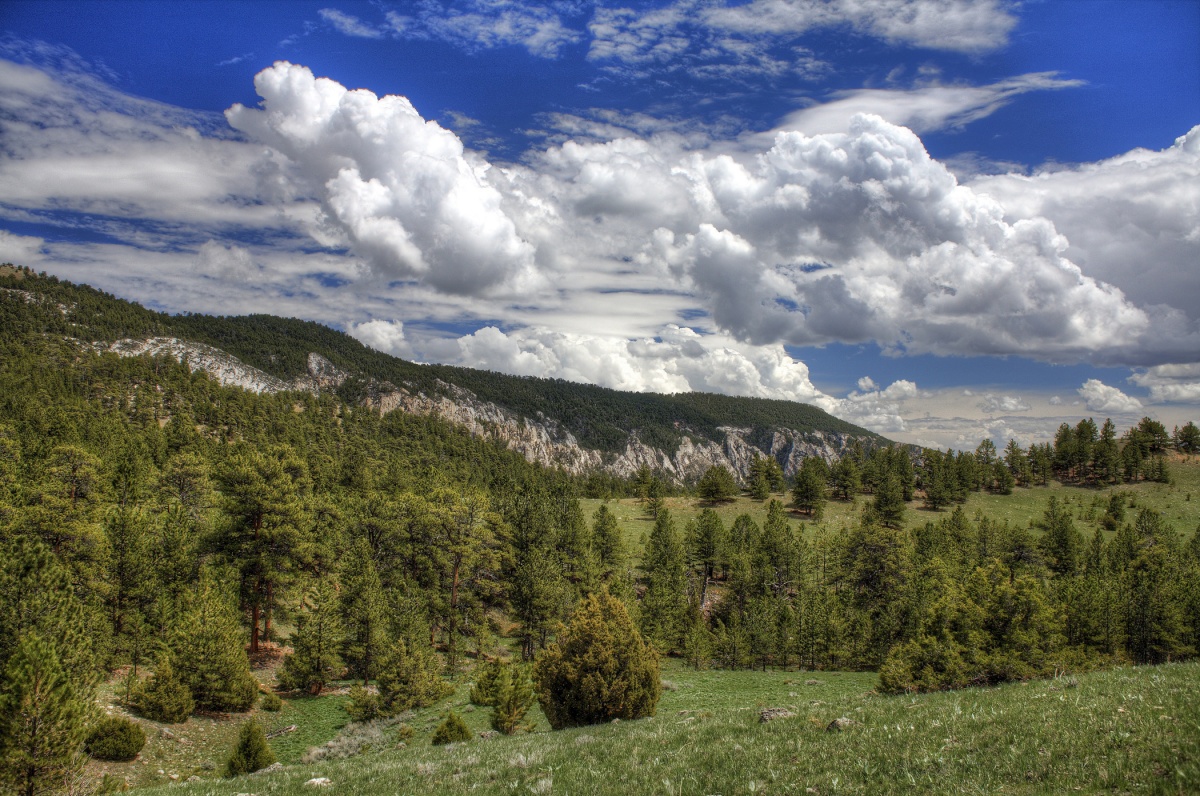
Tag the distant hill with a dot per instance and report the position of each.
(577, 426)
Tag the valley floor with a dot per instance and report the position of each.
(1129, 730)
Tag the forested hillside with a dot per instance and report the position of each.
(599, 418)
(156, 523)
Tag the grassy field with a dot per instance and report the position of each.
(1131, 730)
(1178, 501)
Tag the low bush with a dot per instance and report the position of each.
(115, 738)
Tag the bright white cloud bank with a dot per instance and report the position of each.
(638, 260)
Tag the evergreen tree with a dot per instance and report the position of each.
(164, 697)
(600, 668)
(452, 730)
(847, 480)
(364, 612)
(251, 752)
(664, 604)
(42, 720)
(717, 485)
(809, 491)
(265, 536)
(1060, 541)
(888, 506)
(210, 653)
(314, 660)
(607, 542)
(514, 698)
(487, 676)
(409, 677)
(36, 597)
(706, 542)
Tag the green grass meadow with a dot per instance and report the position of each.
(1129, 730)
(1178, 501)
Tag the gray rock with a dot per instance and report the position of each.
(837, 725)
(770, 714)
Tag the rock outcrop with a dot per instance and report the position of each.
(541, 439)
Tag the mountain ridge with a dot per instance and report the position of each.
(579, 427)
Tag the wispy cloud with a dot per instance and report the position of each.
(350, 25)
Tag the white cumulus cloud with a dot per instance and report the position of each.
(400, 187)
(1100, 397)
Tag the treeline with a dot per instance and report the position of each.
(599, 418)
(960, 601)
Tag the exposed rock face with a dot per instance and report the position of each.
(229, 370)
(540, 440)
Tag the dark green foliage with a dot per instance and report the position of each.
(889, 506)
(251, 752)
(364, 705)
(487, 677)
(717, 485)
(809, 492)
(210, 653)
(409, 677)
(452, 730)
(1061, 543)
(114, 738)
(600, 668)
(163, 697)
(42, 720)
(664, 605)
(514, 697)
(270, 702)
(314, 660)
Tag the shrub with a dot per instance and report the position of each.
(114, 738)
(452, 730)
(163, 697)
(483, 692)
(270, 701)
(363, 705)
(251, 752)
(600, 669)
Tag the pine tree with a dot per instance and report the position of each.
(1060, 541)
(607, 542)
(487, 676)
(706, 543)
(36, 596)
(409, 677)
(42, 720)
(717, 485)
(363, 608)
(164, 697)
(210, 654)
(314, 660)
(664, 604)
(514, 698)
(846, 478)
(251, 753)
(599, 669)
(888, 505)
(265, 536)
(809, 491)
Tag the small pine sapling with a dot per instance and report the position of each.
(514, 697)
(251, 753)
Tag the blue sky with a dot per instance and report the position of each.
(943, 219)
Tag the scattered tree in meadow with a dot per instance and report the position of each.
(599, 669)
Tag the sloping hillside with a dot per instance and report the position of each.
(579, 427)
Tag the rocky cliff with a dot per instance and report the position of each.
(540, 439)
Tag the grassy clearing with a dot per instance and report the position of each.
(1178, 502)
(1131, 730)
